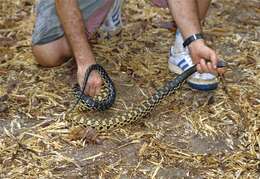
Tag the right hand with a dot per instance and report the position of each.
(200, 54)
(94, 82)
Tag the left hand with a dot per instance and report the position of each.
(205, 58)
(94, 82)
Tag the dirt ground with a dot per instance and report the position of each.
(191, 134)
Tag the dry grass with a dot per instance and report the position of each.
(192, 134)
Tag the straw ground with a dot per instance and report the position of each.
(191, 134)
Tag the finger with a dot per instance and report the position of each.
(91, 83)
(204, 66)
(95, 90)
(84, 88)
(92, 90)
(199, 68)
(212, 70)
(214, 59)
(98, 89)
(98, 86)
(87, 89)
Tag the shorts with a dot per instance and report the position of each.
(48, 28)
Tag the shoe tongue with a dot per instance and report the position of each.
(180, 56)
(179, 51)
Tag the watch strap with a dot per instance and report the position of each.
(192, 38)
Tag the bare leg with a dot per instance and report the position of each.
(203, 6)
(52, 54)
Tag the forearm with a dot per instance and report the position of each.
(186, 15)
(74, 28)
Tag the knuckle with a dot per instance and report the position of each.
(214, 55)
(97, 83)
(90, 83)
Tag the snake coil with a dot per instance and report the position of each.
(91, 103)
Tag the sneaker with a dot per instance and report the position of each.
(113, 22)
(179, 62)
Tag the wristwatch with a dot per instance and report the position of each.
(192, 38)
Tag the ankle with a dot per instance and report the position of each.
(178, 44)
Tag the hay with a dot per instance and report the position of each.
(192, 134)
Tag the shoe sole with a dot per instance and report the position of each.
(202, 85)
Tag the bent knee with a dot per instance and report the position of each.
(52, 54)
(48, 57)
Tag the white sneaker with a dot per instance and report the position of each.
(113, 22)
(179, 62)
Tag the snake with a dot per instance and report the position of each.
(101, 102)
(130, 115)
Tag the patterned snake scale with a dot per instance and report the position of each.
(129, 116)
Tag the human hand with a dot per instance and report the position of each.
(94, 82)
(205, 58)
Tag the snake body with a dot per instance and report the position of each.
(101, 125)
(99, 104)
